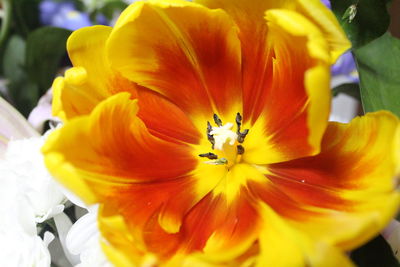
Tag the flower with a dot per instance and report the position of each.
(327, 3)
(201, 131)
(83, 239)
(28, 195)
(42, 112)
(344, 70)
(63, 15)
(19, 243)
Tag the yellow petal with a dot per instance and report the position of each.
(348, 191)
(321, 16)
(283, 245)
(91, 80)
(194, 60)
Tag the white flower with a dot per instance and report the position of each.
(24, 163)
(28, 194)
(19, 243)
(84, 239)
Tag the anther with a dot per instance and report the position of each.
(208, 155)
(238, 121)
(240, 149)
(217, 120)
(220, 161)
(210, 137)
(242, 135)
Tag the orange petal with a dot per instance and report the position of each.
(91, 80)
(291, 81)
(256, 52)
(347, 193)
(195, 63)
(154, 212)
(214, 224)
(111, 149)
(164, 119)
(239, 230)
(293, 113)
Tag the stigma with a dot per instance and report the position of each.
(225, 142)
(223, 135)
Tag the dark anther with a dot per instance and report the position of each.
(208, 155)
(217, 120)
(209, 128)
(210, 137)
(238, 121)
(240, 149)
(242, 135)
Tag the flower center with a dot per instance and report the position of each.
(225, 143)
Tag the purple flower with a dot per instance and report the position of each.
(345, 66)
(63, 15)
(327, 3)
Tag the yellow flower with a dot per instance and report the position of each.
(201, 130)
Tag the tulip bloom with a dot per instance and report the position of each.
(202, 131)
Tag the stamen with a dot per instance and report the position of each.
(208, 155)
(221, 161)
(240, 149)
(226, 141)
(217, 120)
(210, 137)
(238, 121)
(242, 135)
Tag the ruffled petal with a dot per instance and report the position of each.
(195, 63)
(315, 11)
(91, 80)
(255, 51)
(164, 119)
(215, 224)
(97, 155)
(287, 79)
(347, 193)
(294, 111)
(120, 247)
(248, 16)
(283, 245)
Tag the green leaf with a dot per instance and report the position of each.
(14, 58)
(44, 51)
(371, 19)
(23, 93)
(351, 89)
(377, 252)
(26, 15)
(378, 66)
